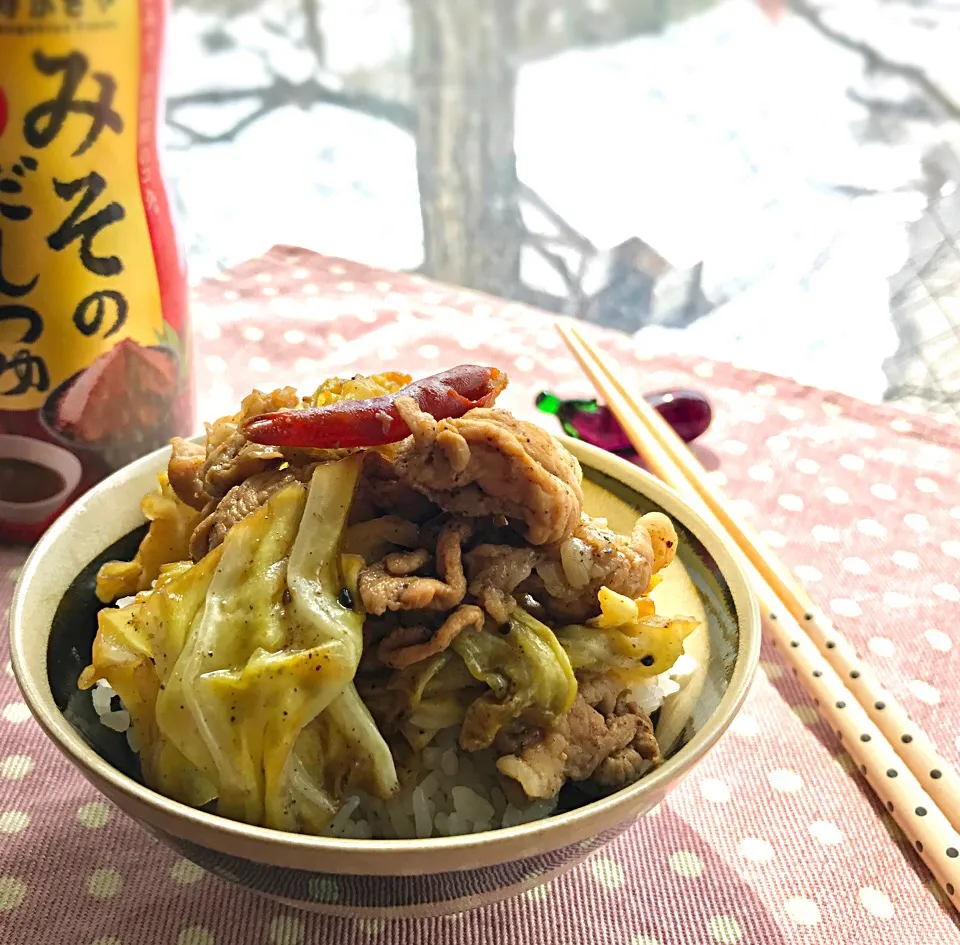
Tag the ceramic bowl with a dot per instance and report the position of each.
(53, 623)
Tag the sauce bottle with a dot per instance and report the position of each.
(94, 329)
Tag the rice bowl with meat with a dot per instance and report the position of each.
(381, 612)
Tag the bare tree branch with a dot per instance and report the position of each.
(279, 93)
(314, 35)
(876, 60)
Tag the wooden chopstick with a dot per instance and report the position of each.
(892, 779)
(938, 777)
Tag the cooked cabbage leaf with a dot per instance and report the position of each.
(171, 524)
(334, 389)
(527, 672)
(253, 659)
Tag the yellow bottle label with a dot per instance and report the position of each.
(77, 272)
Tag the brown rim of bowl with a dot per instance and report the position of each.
(235, 833)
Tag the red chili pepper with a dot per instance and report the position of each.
(375, 422)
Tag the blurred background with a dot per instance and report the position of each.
(768, 182)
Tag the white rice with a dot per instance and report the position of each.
(454, 793)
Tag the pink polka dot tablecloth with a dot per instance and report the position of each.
(773, 838)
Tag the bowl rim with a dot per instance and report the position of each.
(378, 857)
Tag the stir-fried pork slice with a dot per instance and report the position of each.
(488, 462)
(605, 737)
(400, 589)
(242, 500)
(185, 472)
(494, 572)
(572, 572)
(408, 645)
(231, 457)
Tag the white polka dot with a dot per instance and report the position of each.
(790, 502)
(210, 331)
(856, 566)
(428, 352)
(195, 935)
(773, 539)
(851, 462)
(231, 295)
(336, 340)
(104, 884)
(686, 863)
(16, 712)
(892, 454)
(807, 714)
(252, 333)
(524, 363)
(884, 491)
(725, 930)
(286, 930)
(94, 815)
(926, 484)
(831, 409)
(294, 337)
(906, 559)
(808, 573)
(367, 316)
(704, 369)
(808, 466)
(901, 425)
(13, 891)
(926, 693)
(938, 639)
(916, 521)
(824, 832)
(784, 780)
(792, 413)
(743, 507)
(346, 287)
(215, 364)
(745, 725)
(184, 872)
(8, 668)
(755, 850)
(803, 911)
(947, 591)
(718, 476)
(260, 365)
(766, 390)
(882, 646)
(771, 669)
(714, 790)
(845, 607)
(951, 548)
(955, 512)
(608, 872)
(300, 274)
(324, 889)
(825, 533)
(538, 893)
(269, 290)
(263, 277)
(16, 766)
(734, 447)
(482, 310)
(760, 473)
(338, 269)
(897, 600)
(778, 443)
(13, 821)
(310, 288)
(645, 939)
(876, 902)
(871, 528)
(836, 495)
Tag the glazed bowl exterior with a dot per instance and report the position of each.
(53, 622)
